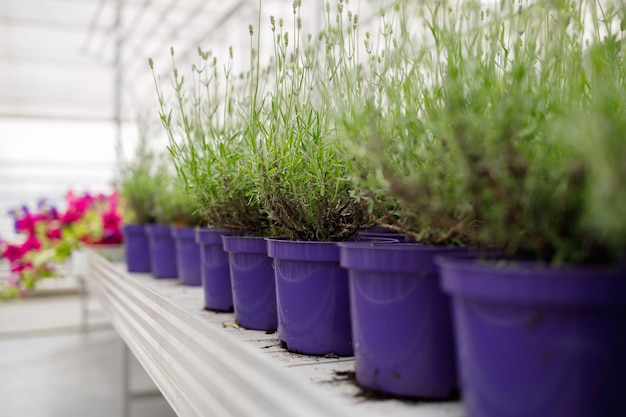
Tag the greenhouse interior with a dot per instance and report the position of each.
(274, 208)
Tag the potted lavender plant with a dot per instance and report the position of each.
(401, 319)
(165, 210)
(209, 146)
(516, 89)
(138, 187)
(302, 181)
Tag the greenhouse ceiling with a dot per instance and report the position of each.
(87, 59)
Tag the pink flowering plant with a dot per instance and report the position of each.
(48, 237)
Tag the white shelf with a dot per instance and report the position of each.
(205, 366)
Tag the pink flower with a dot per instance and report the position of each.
(53, 232)
(111, 220)
(84, 203)
(77, 206)
(26, 224)
(12, 253)
(31, 243)
(81, 205)
(19, 267)
(71, 216)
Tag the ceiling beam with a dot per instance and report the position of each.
(133, 70)
(94, 22)
(10, 21)
(134, 23)
(51, 116)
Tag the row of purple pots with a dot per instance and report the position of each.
(163, 250)
(209, 257)
(237, 275)
(313, 296)
(530, 341)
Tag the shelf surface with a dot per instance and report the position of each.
(205, 365)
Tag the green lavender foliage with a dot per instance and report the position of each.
(497, 127)
(139, 182)
(379, 91)
(598, 130)
(512, 83)
(497, 109)
(173, 204)
(303, 180)
(207, 145)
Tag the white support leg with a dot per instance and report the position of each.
(126, 394)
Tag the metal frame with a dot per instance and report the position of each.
(126, 383)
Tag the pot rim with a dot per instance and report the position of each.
(528, 282)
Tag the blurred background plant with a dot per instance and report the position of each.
(173, 204)
(380, 87)
(49, 236)
(513, 128)
(141, 179)
(598, 131)
(496, 126)
(511, 89)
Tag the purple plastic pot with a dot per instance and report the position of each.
(162, 251)
(312, 297)
(218, 294)
(377, 229)
(538, 341)
(252, 280)
(401, 320)
(187, 255)
(136, 248)
(397, 236)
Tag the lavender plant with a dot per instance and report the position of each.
(173, 204)
(303, 179)
(139, 182)
(494, 126)
(207, 143)
(380, 88)
(597, 131)
(511, 83)
(504, 92)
